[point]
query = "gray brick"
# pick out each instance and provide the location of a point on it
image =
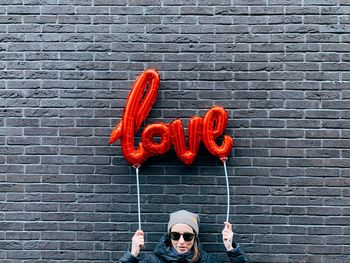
(20, 254)
(23, 10)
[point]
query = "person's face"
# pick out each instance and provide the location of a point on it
(181, 245)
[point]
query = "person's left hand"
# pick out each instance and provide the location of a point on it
(227, 236)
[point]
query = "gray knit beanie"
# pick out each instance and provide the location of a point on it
(184, 217)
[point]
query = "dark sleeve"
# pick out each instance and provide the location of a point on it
(236, 255)
(128, 258)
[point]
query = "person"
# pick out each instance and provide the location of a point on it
(181, 243)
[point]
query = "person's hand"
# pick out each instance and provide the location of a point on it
(227, 236)
(138, 242)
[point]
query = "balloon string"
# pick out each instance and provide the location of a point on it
(227, 191)
(138, 195)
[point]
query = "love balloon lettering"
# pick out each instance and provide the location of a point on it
(138, 106)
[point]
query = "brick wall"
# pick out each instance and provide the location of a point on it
(281, 68)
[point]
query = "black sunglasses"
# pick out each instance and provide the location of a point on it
(187, 236)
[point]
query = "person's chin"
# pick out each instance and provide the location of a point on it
(182, 250)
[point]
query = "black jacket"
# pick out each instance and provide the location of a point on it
(161, 254)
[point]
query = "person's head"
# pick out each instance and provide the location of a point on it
(183, 231)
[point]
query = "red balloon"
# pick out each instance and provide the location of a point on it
(116, 133)
(138, 105)
(135, 112)
(214, 124)
(157, 129)
(132, 155)
(187, 156)
(151, 79)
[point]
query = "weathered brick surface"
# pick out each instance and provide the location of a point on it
(281, 68)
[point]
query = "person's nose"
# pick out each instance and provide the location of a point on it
(181, 240)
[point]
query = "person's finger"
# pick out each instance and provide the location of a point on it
(138, 238)
(139, 233)
(141, 243)
(228, 226)
(226, 236)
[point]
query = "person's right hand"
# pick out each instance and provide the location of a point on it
(137, 243)
(227, 236)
